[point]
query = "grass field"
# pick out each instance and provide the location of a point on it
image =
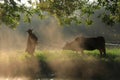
(59, 64)
(87, 66)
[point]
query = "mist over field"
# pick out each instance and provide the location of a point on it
(52, 37)
(50, 33)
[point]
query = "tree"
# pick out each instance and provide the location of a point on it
(66, 11)
(111, 14)
(11, 12)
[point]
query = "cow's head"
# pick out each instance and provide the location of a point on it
(77, 38)
(67, 46)
(81, 38)
(74, 46)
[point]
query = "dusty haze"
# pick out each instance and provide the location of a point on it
(51, 36)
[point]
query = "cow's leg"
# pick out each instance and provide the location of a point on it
(104, 51)
(100, 50)
(78, 52)
(81, 51)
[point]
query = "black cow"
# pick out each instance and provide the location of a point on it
(32, 42)
(82, 43)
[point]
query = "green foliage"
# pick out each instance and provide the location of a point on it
(10, 13)
(89, 22)
(111, 15)
(66, 11)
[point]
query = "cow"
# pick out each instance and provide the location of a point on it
(82, 43)
(31, 42)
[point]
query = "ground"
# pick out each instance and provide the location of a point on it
(59, 64)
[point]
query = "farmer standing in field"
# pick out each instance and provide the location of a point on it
(32, 42)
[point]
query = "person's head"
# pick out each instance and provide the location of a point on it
(29, 30)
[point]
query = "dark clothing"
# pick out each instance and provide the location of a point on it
(31, 43)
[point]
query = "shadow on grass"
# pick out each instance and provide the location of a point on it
(79, 67)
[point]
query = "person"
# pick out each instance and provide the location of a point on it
(31, 42)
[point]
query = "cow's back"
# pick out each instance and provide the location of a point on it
(93, 43)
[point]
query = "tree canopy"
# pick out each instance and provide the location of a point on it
(66, 11)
